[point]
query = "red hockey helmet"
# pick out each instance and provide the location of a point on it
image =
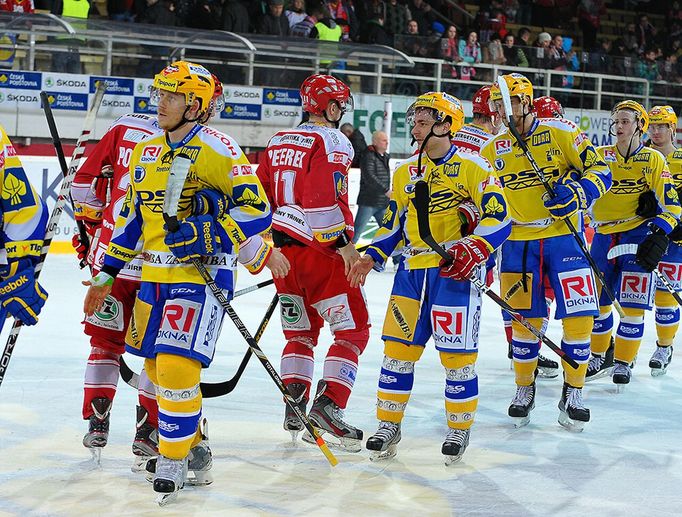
(318, 90)
(481, 102)
(548, 107)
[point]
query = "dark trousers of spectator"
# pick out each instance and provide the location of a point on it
(362, 217)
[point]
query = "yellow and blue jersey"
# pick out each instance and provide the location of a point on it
(457, 177)
(24, 214)
(561, 151)
(645, 169)
(218, 163)
(674, 160)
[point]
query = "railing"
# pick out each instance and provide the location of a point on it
(49, 43)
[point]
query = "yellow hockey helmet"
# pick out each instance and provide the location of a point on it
(663, 115)
(518, 84)
(443, 106)
(642, 117)
(189, 79)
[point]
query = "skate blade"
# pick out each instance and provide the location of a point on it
(294, 436)
(548, 373)
(511, 364)
(164, 499)
(657, 372)
(600, 374)
(199, 478)
(140, 464)
(451, 460)
(335, 442)
(575, 426)
(520, 421)
(389, 453)
(621, 388)
(96, 453)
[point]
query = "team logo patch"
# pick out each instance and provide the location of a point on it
(110, 316)
(578, 292)
(138, 173)
(502, 147)
(150, 154)
(499, 164)
(178, 323)
(635, 288)
(340, 184)
(292, 313)
(336, 312)
(449, 326)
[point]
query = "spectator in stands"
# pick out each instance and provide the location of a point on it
(235, 16)
(274, 23)
(423, 15)
(589, 20)
(343, 15)
(304, 28)
(514, 55)
(205, 14)
(671, 69)
(69, 61)
(524, 15)
(558, 60)
(493, 52)
(646, 33)
(630, 39)
(375, 183)
(600, 58)
(373, 32)
(297, 12)
(397, 16)
(539, 55)
(357, 140)
(449, 52)
(647, 66)
(17, 6)
(470, 52)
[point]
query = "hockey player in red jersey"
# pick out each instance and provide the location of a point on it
(485, 124)
(548, 107)
(305, 177)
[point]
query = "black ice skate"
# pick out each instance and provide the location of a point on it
(169, 478)
(146, 442)
(621, 375)
(98, 432)
(522, 405)
(573, 414)
(383, 443)
(600, 365)
(659, 362)
(547, 368)
(327, 417)
(292, 423)
(454, 445)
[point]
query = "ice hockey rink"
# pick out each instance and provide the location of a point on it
(627, 461)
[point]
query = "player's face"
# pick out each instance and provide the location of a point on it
(624, 125)
(517, 110)
(423, 122)
(170, 110)
(660, 134)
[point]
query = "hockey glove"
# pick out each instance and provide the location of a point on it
(194, 238)
(569, 197)
(209, 202)
(647, 205)
(676, 234)
(22, 296)
(469, 215)
(651, 249)
(467, 254)
(83, 247)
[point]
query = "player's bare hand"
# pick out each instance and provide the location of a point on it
(350, 256)
(360, 270)
(278, 264)
(99, 288)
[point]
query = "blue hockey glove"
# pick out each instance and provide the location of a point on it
(209, 202)
(569, 197)
(194, 238)
(22, 296)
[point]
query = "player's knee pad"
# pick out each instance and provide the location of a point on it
(179, 396)
(102, 369)
(519, 332)
(354, 339)
(403, 352)
(633, 315)
(665, 299)
(578, 329)
(298, 362)
(461, 388)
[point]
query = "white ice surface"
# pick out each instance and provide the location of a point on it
(627, 461)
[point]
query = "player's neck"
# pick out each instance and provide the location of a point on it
(178, 134)
(320, 121)
(628, 147)
(438, 147)
(664, 149)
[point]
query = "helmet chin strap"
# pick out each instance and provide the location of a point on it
(184, 120)
(422, 148)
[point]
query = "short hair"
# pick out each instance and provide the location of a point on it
(347, 125)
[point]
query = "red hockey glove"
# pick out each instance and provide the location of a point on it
(469, 215)
(466, 253)
(83, 247)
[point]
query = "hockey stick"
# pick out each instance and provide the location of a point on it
(631, 249)
(132, 379)
(78, 152)
(52, 223)
(506, 100)
(421, 204)
(176, 181)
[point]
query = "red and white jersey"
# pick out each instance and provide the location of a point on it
(103, 205)
(17, 6)
(305, 175)
(471, 138)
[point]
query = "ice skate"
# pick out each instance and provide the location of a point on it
(659, 362)
(169, 479)
(327, 418)
(454, 445)
(146, 442)
(383, 443)
(573, 414)
(547, 368)
(621, 375)
(522, 405)
(600, 365)
(98, 431)
(292, 423)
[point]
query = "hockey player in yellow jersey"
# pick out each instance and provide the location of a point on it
(635, 169)
(541, 248)
(428, 300)
(177, 317)
(663, 130)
